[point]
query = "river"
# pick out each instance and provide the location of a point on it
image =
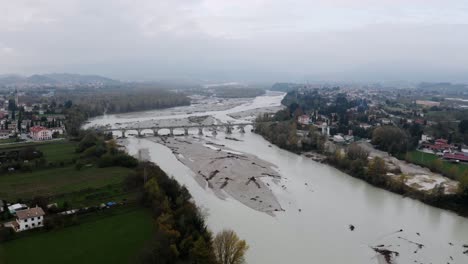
(320, 203)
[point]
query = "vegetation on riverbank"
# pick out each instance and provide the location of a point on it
(95, 172)
(281, 130)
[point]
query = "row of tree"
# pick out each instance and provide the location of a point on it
(85, 103)
(181, 235)
(114, 100)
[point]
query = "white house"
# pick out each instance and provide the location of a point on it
(29, 219)
(40, 133)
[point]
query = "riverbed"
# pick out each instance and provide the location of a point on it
(318, 202)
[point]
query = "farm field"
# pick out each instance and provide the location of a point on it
(59, 151)
(108, 239)
(427, 159)
(54, 181)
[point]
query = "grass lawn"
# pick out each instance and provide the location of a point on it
(54, 181)
(113, 239)
(7, 140)
(425, 159)
(59, 151)
(96, 196)
(21, 145)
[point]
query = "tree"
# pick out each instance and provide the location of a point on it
(68, 104)
(356, 152)
(229, 249)
(12, 105)
(390, 138)
(377, 167)
(463, 126)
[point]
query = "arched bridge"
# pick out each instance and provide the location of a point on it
(154, 130)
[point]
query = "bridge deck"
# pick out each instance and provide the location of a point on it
(173, 127)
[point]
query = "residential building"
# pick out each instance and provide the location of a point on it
(29, 219)
(4, 133)
(440, 145)
(458, 156)
(40, 133)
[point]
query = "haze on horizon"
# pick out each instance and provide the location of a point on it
(250, 40)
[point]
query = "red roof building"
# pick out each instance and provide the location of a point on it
(439, 145)
(40, 133)
(456, 156)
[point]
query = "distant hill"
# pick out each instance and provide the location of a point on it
(77, 78)
(54, 79)
(40, 79)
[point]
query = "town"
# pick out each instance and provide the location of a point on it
(29, 120)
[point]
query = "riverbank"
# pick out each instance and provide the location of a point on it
(415, 182)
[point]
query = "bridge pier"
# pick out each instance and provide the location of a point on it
(230, 128)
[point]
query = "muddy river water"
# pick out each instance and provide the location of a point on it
(320, 203)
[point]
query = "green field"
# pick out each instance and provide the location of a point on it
(96, 196)
(21, 145)
(425, 159)
(59, 151)
(7, 140)
(111, 239)
(88, 186)
(50, 182)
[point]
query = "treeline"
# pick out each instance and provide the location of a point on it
(82, 104)
(181, 235)
(102, 151)
(280, 133)
(113, 100)
(237, 92)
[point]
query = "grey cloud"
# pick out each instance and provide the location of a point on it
(249, 40)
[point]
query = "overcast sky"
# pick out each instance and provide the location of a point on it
(268, 40)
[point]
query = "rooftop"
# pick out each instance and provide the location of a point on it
(31, 212)
(36, 129)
